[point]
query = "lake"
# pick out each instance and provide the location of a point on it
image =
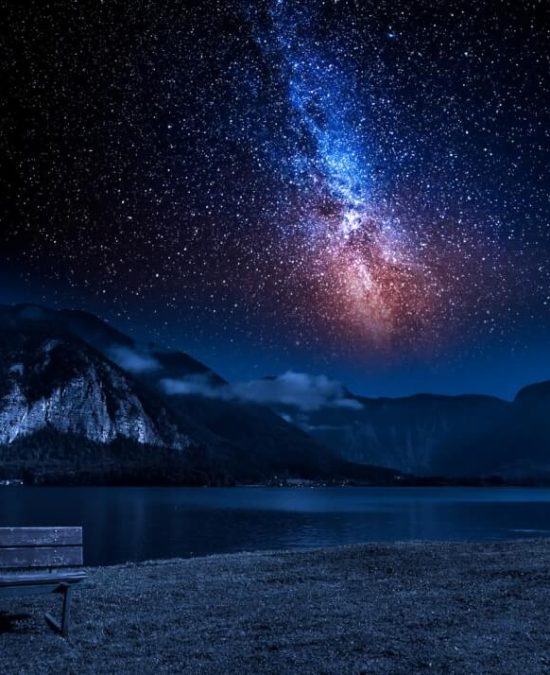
(123, 524)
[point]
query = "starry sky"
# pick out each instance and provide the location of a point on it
(353, 188)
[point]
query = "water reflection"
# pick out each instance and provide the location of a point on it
(140, 523)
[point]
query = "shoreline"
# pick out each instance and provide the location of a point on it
(375, 608)
(459, 484)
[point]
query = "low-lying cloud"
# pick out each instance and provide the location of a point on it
(296, 390)
(132, 360)
(299, 390)
(195, 385)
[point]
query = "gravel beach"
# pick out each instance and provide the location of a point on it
(397, 608)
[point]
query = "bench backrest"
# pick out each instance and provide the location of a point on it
(40, 547)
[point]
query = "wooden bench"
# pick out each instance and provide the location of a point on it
(31, 561)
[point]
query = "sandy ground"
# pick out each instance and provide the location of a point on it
(402, 608)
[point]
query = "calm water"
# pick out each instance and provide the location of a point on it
(141, 523)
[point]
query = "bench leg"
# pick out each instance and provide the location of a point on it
(62, 627)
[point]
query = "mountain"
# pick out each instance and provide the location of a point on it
(82, 402)
(407, 432)
(434, 435)
(96, 333)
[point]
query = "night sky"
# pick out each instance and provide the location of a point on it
(353, 188)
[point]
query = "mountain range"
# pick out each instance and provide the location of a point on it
(446, 436)
(81, 402)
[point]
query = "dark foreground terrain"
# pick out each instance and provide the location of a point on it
(403, 608)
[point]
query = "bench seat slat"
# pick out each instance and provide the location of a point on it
(40, 536)
(35, 578)
(44, 556)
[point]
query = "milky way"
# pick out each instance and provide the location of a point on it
(385, 274)
(328, 185)
(359, 254)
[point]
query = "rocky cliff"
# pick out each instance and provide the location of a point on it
(63, 384)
